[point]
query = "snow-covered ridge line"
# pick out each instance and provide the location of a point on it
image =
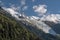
(33, 20)
(51, 17)
(41, 25)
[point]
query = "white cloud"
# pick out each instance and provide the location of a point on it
(41, 9)
(25, 7)
(33, 0)
(23, 2)
(34, 17)
(52, 17)
(1, 3)
(14, 7)
(14, 13)
(11, 11)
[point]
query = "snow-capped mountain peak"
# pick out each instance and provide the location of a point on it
(52, 17)
(32, 20)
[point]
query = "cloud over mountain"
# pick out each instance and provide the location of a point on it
(41, 9)
(12, 12)
(52, 17)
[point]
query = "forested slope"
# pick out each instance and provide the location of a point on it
(12, 30)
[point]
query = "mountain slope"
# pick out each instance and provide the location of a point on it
(12, 30)
(38, 31)
(54, 26)
(22, 28)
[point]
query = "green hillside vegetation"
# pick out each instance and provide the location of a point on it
(12, 30)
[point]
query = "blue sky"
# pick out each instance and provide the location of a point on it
(53, 6)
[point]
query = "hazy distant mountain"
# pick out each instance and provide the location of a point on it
(20, 27)
(54, 26)
(10, 29)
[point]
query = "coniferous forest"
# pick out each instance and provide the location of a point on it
(10, 29)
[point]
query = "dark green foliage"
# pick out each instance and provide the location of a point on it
(11, 30)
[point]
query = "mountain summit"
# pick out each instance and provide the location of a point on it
(11, 29)
(16, 26)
